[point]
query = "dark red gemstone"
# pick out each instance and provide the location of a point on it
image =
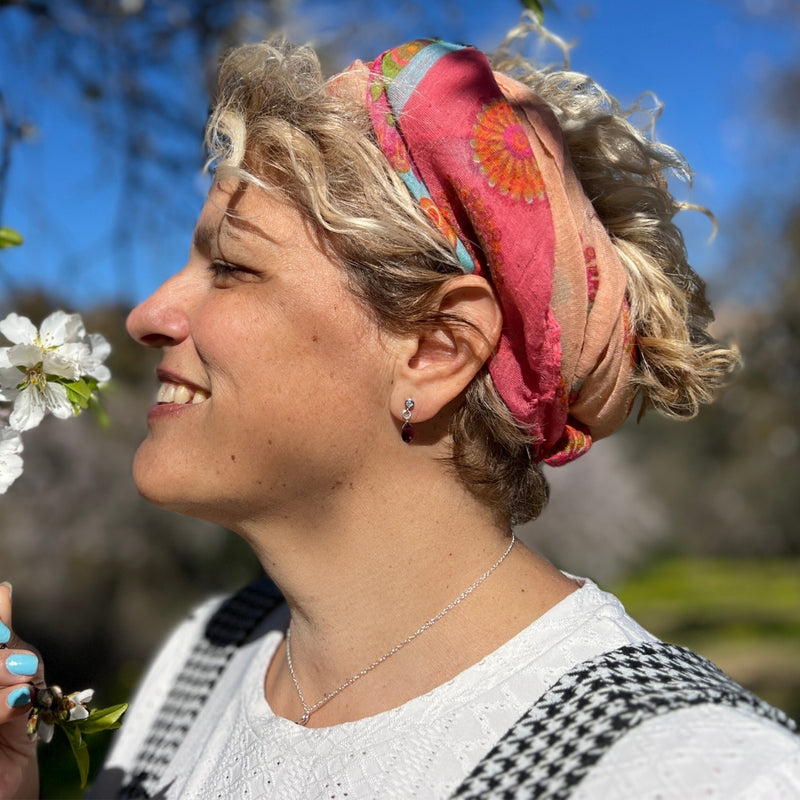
(407, 432)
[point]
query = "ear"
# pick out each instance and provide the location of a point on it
(436, 365)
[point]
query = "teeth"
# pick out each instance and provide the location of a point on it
(166, 393)
(180, 394)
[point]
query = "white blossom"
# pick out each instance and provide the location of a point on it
(35, 394)
(93, 365)
(44, 731)
(34, 369)
(10, 458)
(77, 703)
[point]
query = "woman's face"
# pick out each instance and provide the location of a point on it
(274, 381)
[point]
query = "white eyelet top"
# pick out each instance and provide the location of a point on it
(238, 748)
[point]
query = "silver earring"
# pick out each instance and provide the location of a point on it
(407, 431)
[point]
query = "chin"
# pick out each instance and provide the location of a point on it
(159, 482)
(156, 479)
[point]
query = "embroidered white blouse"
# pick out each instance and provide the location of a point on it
(239, 749)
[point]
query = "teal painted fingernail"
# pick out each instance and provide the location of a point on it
(22, 664)
(5, 634)
(19, 697)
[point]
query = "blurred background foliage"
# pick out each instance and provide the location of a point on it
(695, 526)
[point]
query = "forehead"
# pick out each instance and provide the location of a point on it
(247, 213)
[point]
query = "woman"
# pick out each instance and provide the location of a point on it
(398, 304)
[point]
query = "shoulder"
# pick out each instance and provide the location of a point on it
(150, 696)
(699, 751)
(622, 722)
(160, 675)
(699, 732)
(188, 665)
(217, 623)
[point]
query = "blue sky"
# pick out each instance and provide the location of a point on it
(706, 60)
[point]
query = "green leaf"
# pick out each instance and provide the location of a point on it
(79, 749)
(9, 238)
(80, 392)
(102, 719)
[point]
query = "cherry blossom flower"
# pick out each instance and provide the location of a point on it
(10, 458)
(51, 369)
(93, 365)
(55, 368)
(53, 709)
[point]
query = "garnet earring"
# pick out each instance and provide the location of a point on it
(407, 431)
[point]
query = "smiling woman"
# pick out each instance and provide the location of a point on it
(399, 303)
(261, 340)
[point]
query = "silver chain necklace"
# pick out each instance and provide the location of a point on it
(309, 710)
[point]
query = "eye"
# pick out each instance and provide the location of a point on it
(224, 273)
(222, 268)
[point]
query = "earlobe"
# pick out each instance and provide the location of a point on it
(438, 363)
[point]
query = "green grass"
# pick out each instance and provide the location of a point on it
(742, 614)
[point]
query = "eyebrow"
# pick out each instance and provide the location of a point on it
(203, 237)
(230, 227)
(206, 236)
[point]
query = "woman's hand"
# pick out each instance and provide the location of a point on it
(20, 670)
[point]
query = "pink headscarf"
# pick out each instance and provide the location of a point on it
(487, 161)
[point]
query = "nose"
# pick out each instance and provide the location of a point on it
(162, 319)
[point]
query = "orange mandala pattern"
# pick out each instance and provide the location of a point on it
(396, 59)
(503, 153)
(435, 215)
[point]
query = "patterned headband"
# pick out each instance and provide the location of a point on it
(487, 161)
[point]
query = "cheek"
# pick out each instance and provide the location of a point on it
(316, 355)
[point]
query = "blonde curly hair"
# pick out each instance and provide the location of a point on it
(278, 124)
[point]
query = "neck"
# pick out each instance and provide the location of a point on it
(362, 575)
(378, 565)
(308, 710)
